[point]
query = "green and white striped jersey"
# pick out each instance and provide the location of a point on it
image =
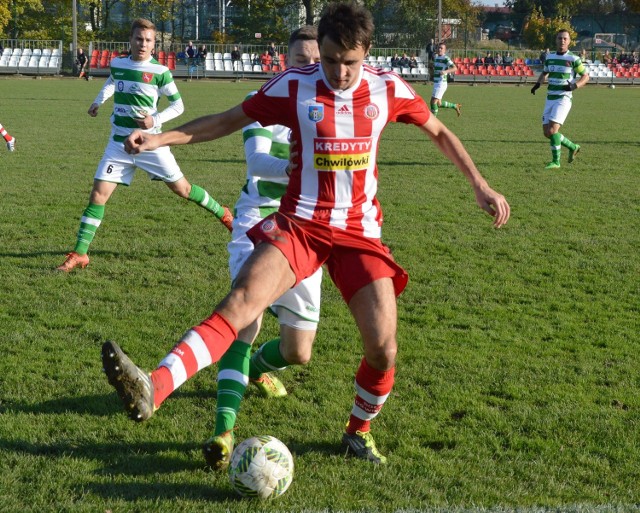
(136, 87)
(267, 153)
(441, 63)
(562, 69)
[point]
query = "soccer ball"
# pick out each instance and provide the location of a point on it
(261, 467)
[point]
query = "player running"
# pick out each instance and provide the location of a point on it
(561, 68)
(442, 66)
(137, 81)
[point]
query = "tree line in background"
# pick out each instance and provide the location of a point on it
(399, 23)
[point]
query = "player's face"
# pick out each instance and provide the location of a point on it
(302, 53)
(442, 49)
(341, 66)
(142, 42)
(562, 42)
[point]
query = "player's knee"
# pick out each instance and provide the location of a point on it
(296, 355)
(382, 357)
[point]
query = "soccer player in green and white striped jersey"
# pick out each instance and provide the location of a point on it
(442, 66)
(136, 82)
(561, 68)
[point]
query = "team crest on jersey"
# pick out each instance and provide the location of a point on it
(316, 113)
(371, 111)
(269, 226)
(147, 77)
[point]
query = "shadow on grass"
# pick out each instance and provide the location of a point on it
(160, 491)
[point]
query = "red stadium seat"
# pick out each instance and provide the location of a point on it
(162, 57)
(171, 60)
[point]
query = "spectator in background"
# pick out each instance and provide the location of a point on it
(413, 62)
(404, 61)
(507, 60)
(431, 50)
(190, 53)
(395, 61)
(81, 64)
(202, 55)
(271, 50)
(583, 55)
(606, 58)
(543, 55)
(489, 59)
(479, 61)
(235, 54)
(498, 59)
(266, 59)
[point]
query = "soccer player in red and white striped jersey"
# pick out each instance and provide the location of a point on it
(329, 216)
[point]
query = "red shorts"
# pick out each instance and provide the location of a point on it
(352, 260)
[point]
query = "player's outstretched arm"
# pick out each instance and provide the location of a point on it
(206, 128)
(489, 200)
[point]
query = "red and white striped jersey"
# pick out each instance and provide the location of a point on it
(337, 134)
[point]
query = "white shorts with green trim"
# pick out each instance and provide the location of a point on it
(118, 166)
(303, 300)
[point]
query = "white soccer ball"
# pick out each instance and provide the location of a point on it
(612, 86)
(261, 467)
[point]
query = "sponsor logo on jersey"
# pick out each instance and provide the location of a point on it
(147, 77)
(342, 154)
(371, 111)
(134, 89)
(316, 112)
(343, 110)
(120, 85)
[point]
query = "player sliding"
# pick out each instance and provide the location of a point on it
(329, 216)
(561, 67)
(137, 82)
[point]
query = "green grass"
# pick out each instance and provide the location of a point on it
(518, 369)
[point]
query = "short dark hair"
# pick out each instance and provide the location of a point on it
(346, 24)
(143, 24)
(304, 33)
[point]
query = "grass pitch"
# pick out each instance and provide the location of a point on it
(518, 369)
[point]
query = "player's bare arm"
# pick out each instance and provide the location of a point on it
(206, 128)
(489, 200)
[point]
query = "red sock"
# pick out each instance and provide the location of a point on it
(4, 134)
(200, 347)
(372, 389)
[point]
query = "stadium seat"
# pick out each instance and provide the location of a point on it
(208, 63)
(266, 67)
(257, 68)
(228, 65)
(43, 62)
(46, 51)
(33, 61)
(171, 60)
(4, 61)
(162, 57)
(275, 68)
(55, 52)
(247, 68)
(218, 64)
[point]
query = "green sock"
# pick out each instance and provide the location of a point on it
(203, 198)
(567, 143)
(448, 105)
(555, 140)
(233, 371)
(434, 109)
(89, 223)
(267, 358)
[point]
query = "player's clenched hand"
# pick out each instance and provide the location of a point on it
(140, 141)
(495, 204)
